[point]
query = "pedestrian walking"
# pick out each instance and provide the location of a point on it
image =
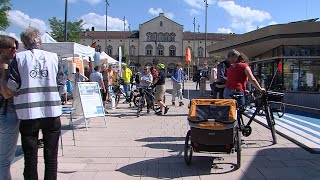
(160, 89)
(35, 76)
(177, 78)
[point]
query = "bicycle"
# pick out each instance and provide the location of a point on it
(262, 101)
(146, 96)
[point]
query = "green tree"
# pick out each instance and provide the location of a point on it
(74, 30)
(4, 8)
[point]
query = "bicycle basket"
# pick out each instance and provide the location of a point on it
(275, 96)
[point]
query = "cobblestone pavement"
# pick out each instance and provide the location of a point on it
(151, 147)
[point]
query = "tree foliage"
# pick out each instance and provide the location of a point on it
(74, 30)
(4, 8)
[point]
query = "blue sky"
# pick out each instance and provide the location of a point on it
(224, 16)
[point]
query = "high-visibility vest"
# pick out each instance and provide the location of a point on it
(38, 95)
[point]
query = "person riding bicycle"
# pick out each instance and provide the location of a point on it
(146, 80)
(238, 75)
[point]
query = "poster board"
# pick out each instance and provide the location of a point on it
(90, 97)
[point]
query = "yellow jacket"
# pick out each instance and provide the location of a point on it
(126, 75)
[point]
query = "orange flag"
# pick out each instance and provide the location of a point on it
(188, 55)
(280, 66)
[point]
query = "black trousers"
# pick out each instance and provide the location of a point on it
(29, 129)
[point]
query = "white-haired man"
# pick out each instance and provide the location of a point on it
(34, 77)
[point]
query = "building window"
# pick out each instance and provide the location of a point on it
(149, 50)
(109, 50)
(172, 50)
(200, 52)
(161, 23)
(160, 50)
(167, 37)
(301, 75)
(98, 48)
(172, 37)
(132, 50)
(148, 36)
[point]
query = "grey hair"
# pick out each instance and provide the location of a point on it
(31, 38)
(233, 53)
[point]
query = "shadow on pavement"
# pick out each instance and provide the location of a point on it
(270, 163)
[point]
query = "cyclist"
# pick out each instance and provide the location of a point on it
(146, 80)
(238, 75)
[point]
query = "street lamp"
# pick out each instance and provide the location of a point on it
(129, 44)
(65, 21)
(106, 43)
(205, 42)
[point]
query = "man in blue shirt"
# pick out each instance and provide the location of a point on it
(177, 78)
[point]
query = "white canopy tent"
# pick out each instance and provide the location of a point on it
(105, 58)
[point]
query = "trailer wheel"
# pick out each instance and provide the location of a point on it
(188, 150)
(238, 147)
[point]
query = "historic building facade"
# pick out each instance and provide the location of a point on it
(159, 40)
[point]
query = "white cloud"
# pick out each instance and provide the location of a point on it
(11, 34)
(243, 18)
(99, 22)
(272, 23)
(92, 2)
(198, 4)
(224, 30)
(193, 12)
(22, 21)
(156, 12)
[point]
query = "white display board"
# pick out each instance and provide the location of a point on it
(91, 101)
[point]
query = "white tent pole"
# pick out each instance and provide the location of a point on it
(188, 80)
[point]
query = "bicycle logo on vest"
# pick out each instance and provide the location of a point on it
(38, 71)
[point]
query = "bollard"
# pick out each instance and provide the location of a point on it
(113, 102)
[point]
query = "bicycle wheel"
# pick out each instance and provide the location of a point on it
(281, 110)
(188, 150)
(33, 73)
(271, 122)
(140, 105)
(237, 141)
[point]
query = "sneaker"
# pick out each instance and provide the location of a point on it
(181, 104)
(159, 113)
(105, 111)
(166, 110)
(173, 103)
(148, 110)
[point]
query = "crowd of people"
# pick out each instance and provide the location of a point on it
(33, 103)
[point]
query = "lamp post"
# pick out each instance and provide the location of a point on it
(65, 21)
(106, 42)
(205, 42)
(124, 34)
(194, 38)
(198, 44)
(129, 44)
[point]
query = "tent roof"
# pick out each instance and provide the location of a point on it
(67, 49)
(105, 57)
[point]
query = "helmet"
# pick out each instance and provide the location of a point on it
(124, 65)
(160, 66)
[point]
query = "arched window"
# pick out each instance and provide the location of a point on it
(160, 50)
(109, 50)
(167, 37)
(172, 50)
(148, 36)
(161, 37)
(132, 50)
(98, 48)
(154, 36)
(172, 37)
(200, 52)
(149, 50)
(161, 23)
